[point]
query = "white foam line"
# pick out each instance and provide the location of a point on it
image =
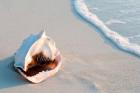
(122, 42)
(114, 21)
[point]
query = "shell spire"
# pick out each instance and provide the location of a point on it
(44, 34)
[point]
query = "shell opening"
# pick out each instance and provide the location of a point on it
(40, 63)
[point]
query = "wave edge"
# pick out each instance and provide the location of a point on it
(121, 42)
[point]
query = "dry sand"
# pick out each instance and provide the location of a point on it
(89, 65)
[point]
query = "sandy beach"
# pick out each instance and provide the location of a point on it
(90, 64)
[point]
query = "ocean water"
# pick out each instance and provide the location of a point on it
(121, 16)
(118, 20)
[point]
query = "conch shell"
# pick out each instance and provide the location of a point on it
(37, 58)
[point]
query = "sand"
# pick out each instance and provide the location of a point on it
(90, 64)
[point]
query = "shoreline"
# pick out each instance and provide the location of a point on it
(89, 65)
(120, 42)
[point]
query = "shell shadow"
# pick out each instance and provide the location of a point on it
(8, 76)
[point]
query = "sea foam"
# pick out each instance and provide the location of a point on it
(121, 42)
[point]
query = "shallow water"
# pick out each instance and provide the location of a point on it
(121, 16)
